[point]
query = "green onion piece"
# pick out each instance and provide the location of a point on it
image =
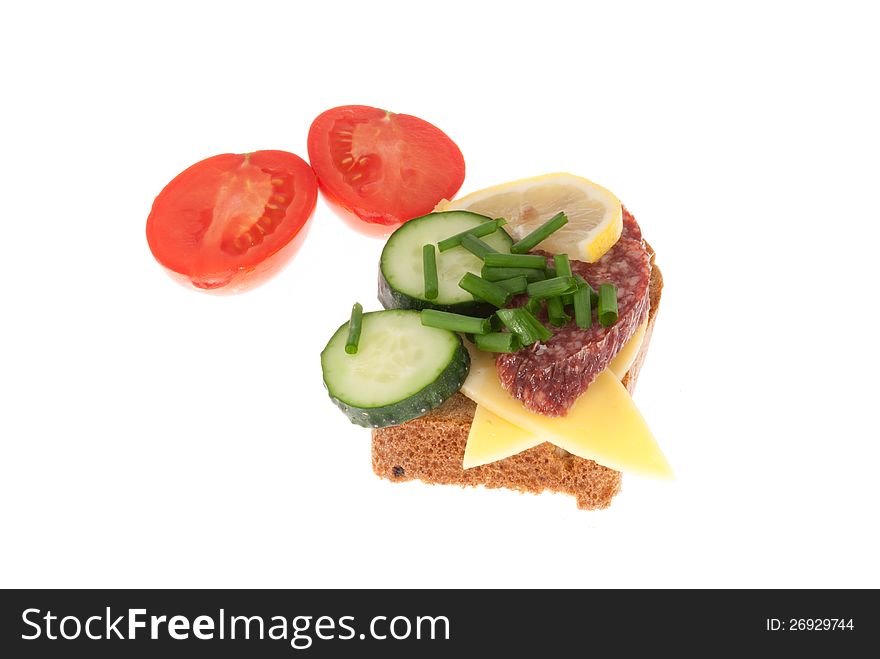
(556, 312)
(583, 313)
(540, 234)
(562, 265)
(551, 272)
(552, 287)
(455, 322)
(594, 294)
(476, 246)
(523, 323)
(484, 229)
(607, 305)
(515, 285)
(534, 306)
(498, 342)
(485, 290)
(497, 274)
(354, 329)
(564, 270)
(516, 322)
(429, 264)
(495, 323)
(542, 332)
(515, 261)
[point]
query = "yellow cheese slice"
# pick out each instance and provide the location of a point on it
(492, 438)
(624, 359)
(603, 425)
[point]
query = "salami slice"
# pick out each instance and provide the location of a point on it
(548, 377)
(631, 228)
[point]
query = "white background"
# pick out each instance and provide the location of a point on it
(156, 436)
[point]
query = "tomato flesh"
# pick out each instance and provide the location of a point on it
(229, 222)
(384, 168)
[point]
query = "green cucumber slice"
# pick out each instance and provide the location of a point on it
(401, 370)
(401, 276)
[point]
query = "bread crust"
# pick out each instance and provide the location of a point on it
(431, 448)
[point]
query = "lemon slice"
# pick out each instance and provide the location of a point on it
(595, 218)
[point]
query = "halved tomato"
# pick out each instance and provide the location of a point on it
(229, 222)
(385, 168)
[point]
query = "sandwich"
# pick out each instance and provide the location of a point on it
(517, 321)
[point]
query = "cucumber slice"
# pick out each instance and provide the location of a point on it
(401, 277)
(401, 370)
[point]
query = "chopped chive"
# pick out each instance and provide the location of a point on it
(552, 287)
(484, 229)
(552, 272)
(497, 274)
(607, 305)
(498, 342)
(495, 323)
(556, 312)
(594, 294)
(485, 290)
(540, 234)
(515, 261)
(583, 313)
(515, 285)
(538, 327)
(515, 321)
(354, 329)
(455, 322)
(523, 323)
(562, 265)
(564, 270)
(429, 264)
(533, 305)
(476, 246)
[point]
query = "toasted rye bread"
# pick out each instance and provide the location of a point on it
(431, 448)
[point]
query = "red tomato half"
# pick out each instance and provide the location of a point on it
(385, 168)
(229, 222)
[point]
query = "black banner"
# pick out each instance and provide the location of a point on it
(390, 623)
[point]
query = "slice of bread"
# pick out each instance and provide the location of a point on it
(431, 448)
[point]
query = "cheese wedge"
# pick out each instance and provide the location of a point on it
(603, 425)
(624, 359)
(492, 438)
